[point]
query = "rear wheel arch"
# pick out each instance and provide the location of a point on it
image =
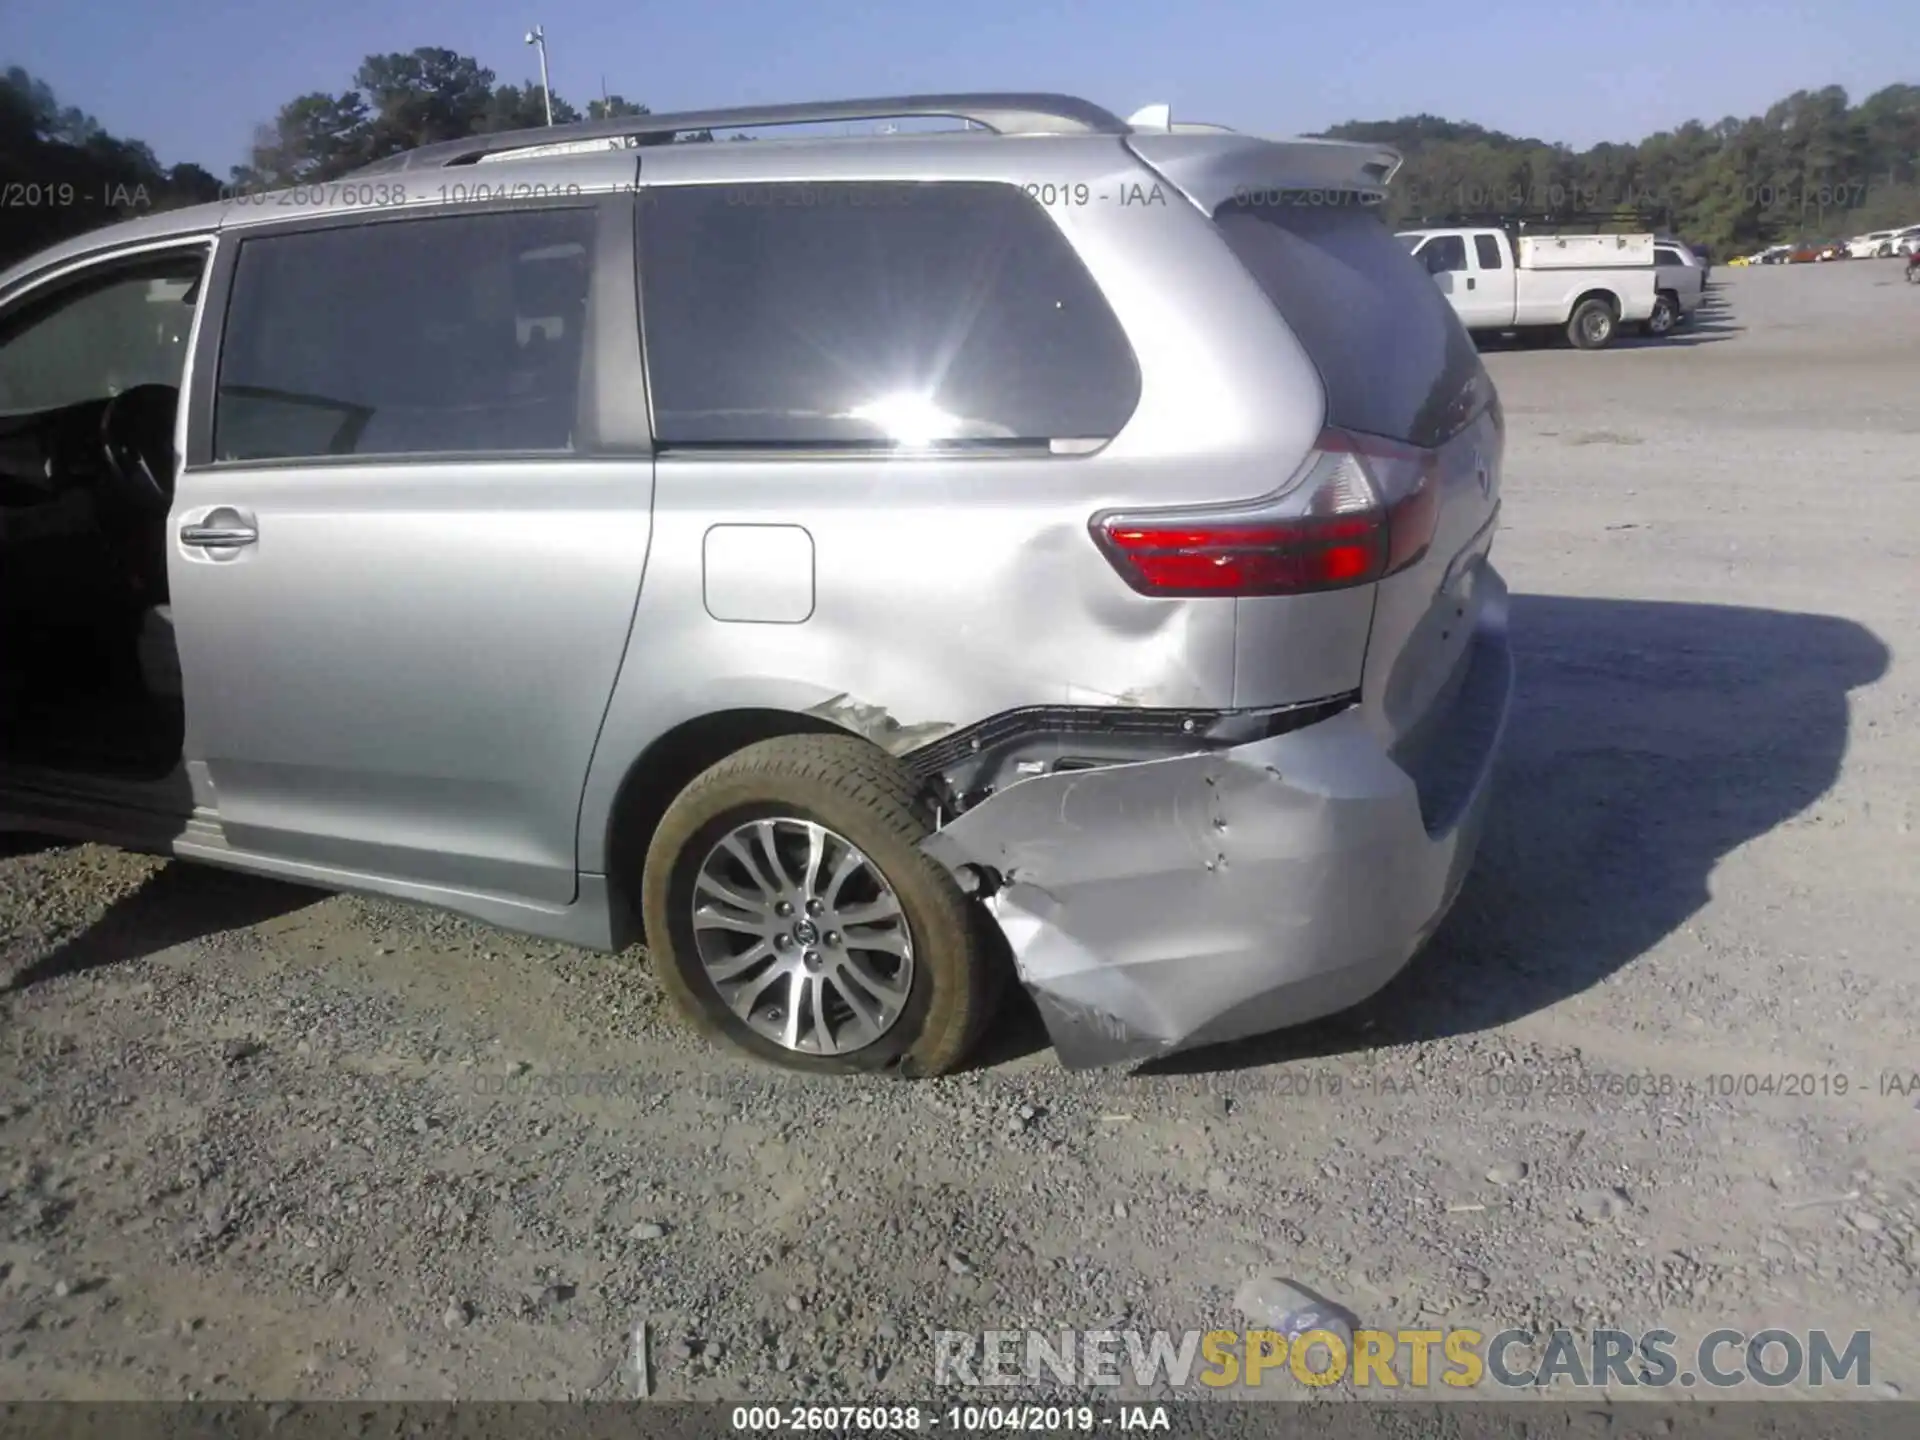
(665, 768)
(1612, 301)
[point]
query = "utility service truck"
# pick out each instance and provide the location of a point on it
(1498, 280)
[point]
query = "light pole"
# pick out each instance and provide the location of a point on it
(538, 37)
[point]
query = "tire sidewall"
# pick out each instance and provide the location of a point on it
(1666, 315)
(1579, 325)
(672, 894)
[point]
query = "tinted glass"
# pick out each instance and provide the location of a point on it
(1666, 255)
(873, 315)
(1486, 249)
(452, 335)
(1394, 358)
(1447, 252)
(94, 342)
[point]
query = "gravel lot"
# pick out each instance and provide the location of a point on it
(259, 1141)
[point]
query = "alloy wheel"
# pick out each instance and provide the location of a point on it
(802, 937)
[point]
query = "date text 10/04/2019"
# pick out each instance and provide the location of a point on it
(953, 1419)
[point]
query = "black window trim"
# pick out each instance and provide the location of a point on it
(736, 451)
(607, 423)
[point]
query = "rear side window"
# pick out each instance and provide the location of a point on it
(1395, 360)
(872, 315)
(1666, 255)
(441, 336)
(1486, 249)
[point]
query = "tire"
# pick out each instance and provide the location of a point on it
(1666, 316)
(1592, 325)
(863, 802)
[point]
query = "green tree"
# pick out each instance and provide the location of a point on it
(314, 137)
(613, 108)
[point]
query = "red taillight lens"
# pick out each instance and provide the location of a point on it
(1361, 509)
(1273, 559)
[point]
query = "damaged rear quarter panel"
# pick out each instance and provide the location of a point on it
(1173, 902)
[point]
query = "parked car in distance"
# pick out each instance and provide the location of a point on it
(1872, 245)
(1116, 607)
(1680, 280)
(1802, 254)
(1906, 241)
(1833, 250)
(1499, 284)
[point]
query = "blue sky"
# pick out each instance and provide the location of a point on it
(192, 77)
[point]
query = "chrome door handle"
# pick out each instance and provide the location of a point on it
(218, 537)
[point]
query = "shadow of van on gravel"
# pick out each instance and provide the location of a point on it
(178, 903)
(1647, 740)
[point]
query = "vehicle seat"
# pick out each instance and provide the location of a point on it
(159, 655)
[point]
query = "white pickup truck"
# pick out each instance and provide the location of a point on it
(1586, 285)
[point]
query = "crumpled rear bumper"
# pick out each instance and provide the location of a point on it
(1160, 906)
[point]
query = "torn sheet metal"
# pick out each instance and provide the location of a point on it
(877, 725)
(1158, 906)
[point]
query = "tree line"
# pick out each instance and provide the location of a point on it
(61, 172)
(1814, 166)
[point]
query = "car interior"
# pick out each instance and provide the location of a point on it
(89, 390)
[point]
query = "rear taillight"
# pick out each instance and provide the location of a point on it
(1360, 509)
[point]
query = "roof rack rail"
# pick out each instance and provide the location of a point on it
(1004, 114)
(1538, 220)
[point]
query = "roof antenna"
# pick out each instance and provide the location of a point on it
(1152, 117)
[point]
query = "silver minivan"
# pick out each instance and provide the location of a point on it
(862, 567)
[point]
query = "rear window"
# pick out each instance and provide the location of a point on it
(1395, 360)
(874, 315)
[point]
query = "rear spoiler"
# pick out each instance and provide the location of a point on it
(1211, 169)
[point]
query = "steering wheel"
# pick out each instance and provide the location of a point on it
(136, 441)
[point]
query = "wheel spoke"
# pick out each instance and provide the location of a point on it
(868, 1021)
(733, 846)
(709, 918)
(816, 855)
(887, 938)
(799, 987)
(726, 894)
(769, 839)
(885, 908)
(738, 965)
(742, 998)
(856, 973)
(843, 872)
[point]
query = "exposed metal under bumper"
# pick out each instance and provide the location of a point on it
(1175, 903)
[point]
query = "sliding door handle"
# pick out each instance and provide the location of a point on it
(230, 536)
